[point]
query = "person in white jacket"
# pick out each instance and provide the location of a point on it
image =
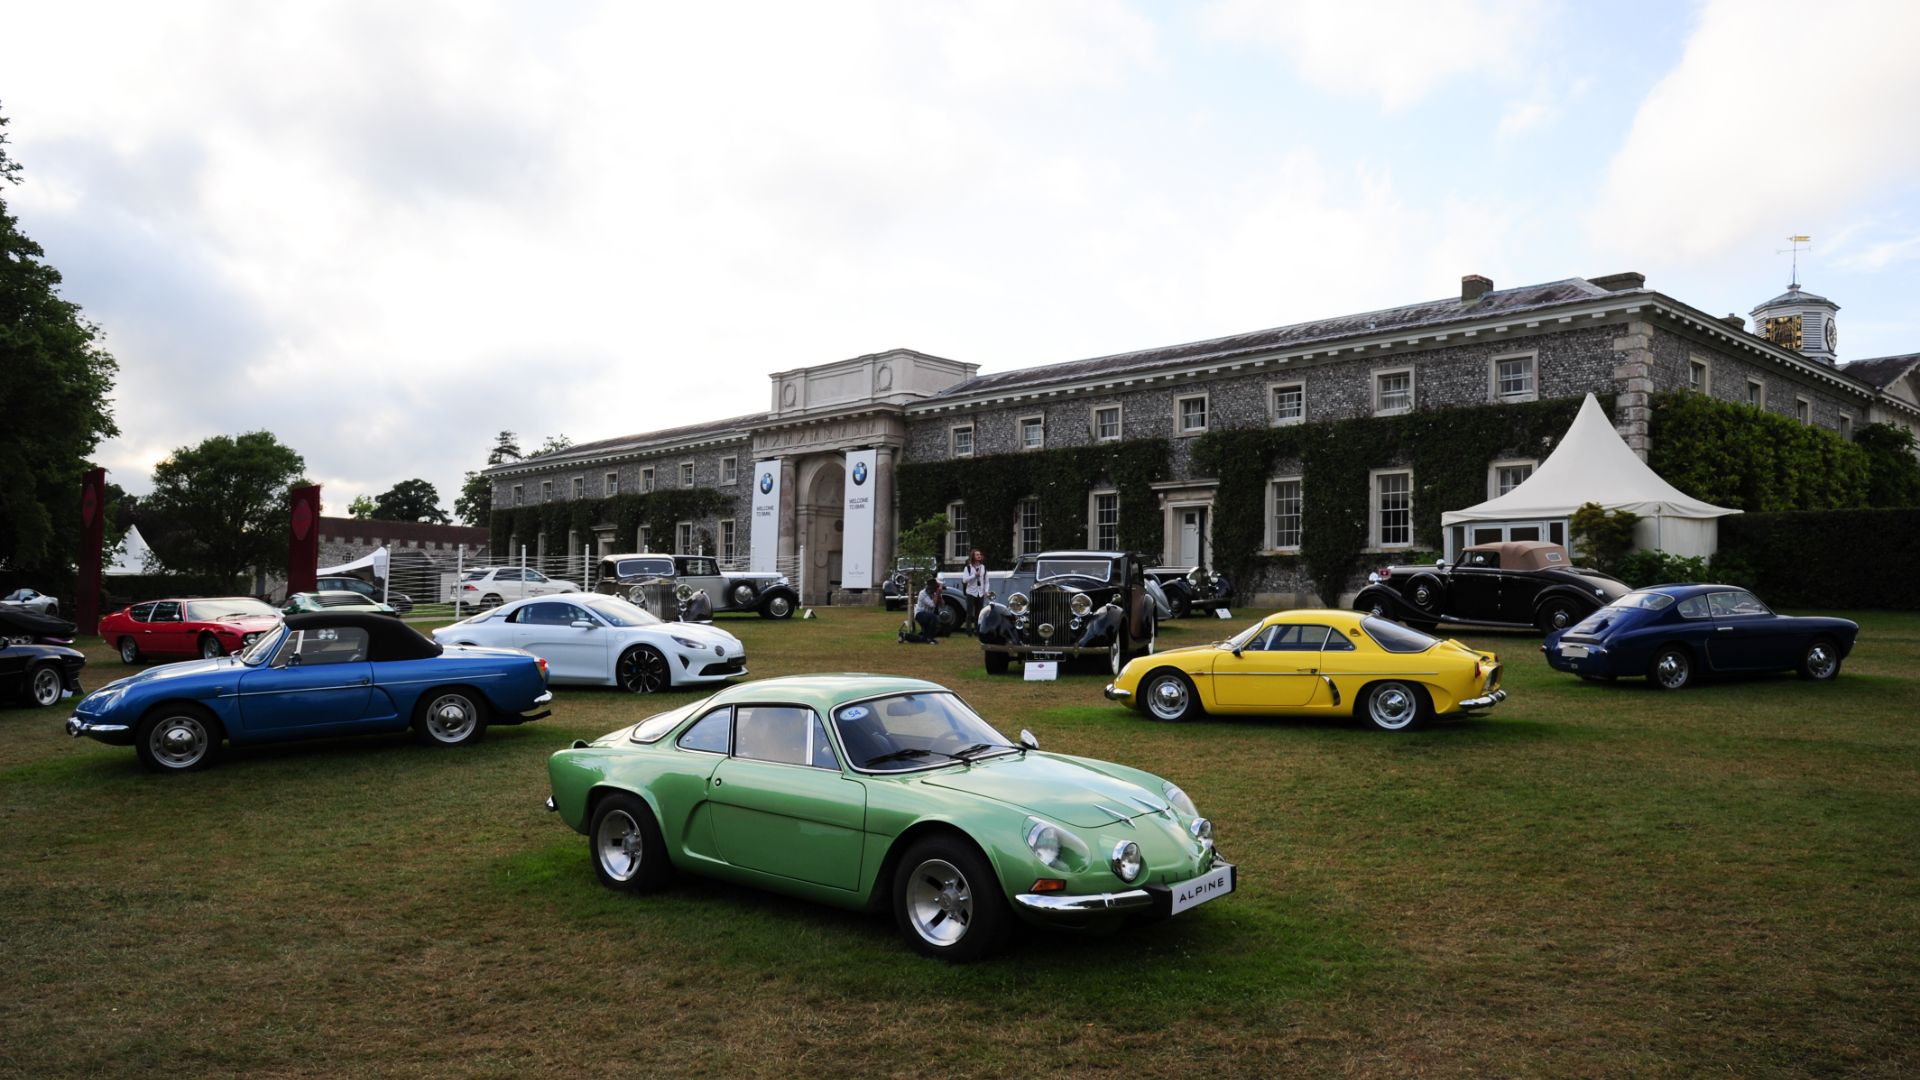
(973, 582)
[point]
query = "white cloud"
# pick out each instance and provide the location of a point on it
(1392, 51)
(1778, 119)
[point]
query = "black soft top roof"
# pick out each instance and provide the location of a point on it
(22, 621)
(389, 638)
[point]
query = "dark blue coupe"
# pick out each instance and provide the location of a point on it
(315, 676)
(1674, 634)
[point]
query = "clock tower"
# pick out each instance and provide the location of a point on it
(1801, 321)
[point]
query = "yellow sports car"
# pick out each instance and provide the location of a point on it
(1316, 663)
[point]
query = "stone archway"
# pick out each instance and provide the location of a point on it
(819, 510)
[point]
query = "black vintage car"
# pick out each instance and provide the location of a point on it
(1520, 583)
(897, 591)
(1083, 604)
(1192, 588)
(18, 626)
(39, 674)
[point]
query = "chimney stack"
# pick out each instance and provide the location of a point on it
(1734, 321)
(1473, 287)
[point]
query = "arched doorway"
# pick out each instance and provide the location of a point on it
(822, 504)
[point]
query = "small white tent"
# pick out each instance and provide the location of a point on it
(1592, 464)
(376, 561)
(132, 556)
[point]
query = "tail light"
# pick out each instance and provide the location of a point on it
(542, 661)
(468, 588)
(1385, 572)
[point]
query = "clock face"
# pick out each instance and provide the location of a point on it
(1832, 336)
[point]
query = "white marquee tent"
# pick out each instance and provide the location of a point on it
(1591, 464)
(132, 556)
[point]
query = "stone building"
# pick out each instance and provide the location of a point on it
(1610, 335)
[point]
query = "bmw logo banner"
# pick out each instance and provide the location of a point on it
(856, 539)
(764, 531)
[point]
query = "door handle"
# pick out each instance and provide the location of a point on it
(361, 681)
(1723, 628)
(718, 782)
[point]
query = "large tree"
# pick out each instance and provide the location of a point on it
(410, 500)
(54, 382)
(227, 500)
(475, 502)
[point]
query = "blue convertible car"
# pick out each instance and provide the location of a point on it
(319, 675)
(1673, 634)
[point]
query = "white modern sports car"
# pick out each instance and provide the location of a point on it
(605, 641)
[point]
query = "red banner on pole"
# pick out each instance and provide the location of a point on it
(93, 531)
(303, 545)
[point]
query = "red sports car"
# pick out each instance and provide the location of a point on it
(212, 627)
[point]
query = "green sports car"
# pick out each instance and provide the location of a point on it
(867, 791)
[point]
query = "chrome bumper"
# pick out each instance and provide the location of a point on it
(543, 698)
(1486, 702)
(77, 727)
(1059, 904)
(1114, 693)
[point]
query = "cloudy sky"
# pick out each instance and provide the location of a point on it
(385, 231)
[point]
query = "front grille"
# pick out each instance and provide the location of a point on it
(727, 667)
(1050, 606)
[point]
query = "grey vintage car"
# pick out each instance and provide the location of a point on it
(897, 591)
(646, 579)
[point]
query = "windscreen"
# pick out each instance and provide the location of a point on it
(215, 610)
(1643, 599)
(912, 731)
(618, 612)
(1097, 569)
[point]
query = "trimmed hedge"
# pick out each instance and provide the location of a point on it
(1749, 459)
(1828, 558)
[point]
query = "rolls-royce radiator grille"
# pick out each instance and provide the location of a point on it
(1051, 608)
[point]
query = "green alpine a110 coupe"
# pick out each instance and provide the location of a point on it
(867, 791)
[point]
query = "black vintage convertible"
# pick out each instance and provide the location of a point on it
(1517, 583)
(1083, 604)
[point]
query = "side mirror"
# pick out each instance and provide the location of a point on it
(1236, 654)
(584, 624)
(1028, 741)
(1440, 565)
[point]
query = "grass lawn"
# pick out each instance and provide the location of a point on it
(1592, 880)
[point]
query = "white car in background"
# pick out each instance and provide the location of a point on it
(28, 600)
(495, 585)
(605, 641)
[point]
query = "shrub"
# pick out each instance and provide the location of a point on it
(1604, 537)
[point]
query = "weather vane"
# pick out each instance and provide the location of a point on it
(1795, 241)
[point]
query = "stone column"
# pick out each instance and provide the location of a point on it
(1633, 371)
(884, 518)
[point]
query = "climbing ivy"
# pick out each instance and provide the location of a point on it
(1745, 458)
(1060, 479)
(658, 510)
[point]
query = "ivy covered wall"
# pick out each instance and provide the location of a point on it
(1737, 456)
(658, 510)
(1062, 480)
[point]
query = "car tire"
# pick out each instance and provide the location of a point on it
(1671, 669)
(129, 651)
(450, 716)
(490, 601)
(996, 662)
(1821, 661)
(1179, 603)
(777, 606)
(643, 670)
(1117, 652)
(950, 618)
(1555, 615)
(177, 738)
(210, 647)
(947, 900)
(628, 852)
(1169, 696)
(43, 686)
(1395, 706)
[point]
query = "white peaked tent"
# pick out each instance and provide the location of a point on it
(1593, 464)
(132, 556)
(377, 562)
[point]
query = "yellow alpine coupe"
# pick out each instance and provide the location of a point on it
(1316, 663)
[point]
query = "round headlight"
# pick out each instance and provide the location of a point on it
(1017, 603)
(1179, 801)
(1201, 829)
(1080, 604)
(1127, 863)
(1046, 629)
(1044, 839)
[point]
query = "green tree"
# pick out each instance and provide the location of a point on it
(54, 381)
(227, 500)
(474, 505)
(410, 500)
(1893, 474)
(554, 444)
(923, 543)
(361, 508)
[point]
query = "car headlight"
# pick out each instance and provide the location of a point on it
(1126, 862)
(1056, 846)
(1201, 830)
(686, 643)
(1080, 604)
(1179, 801)
(1017, 603)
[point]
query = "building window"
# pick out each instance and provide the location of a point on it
(1106, 423)
(683, 538)
(1504, 476)
(613, 483)
(1756, 393)
(1033, 432)
(686, 474)
(1026, 531)
(726, 540)
(960, 440)
(1802, 410)
(1190, 414)
(1284, 522)
(519, 495)
(729, 470)
(579, 487)
(1513, 378)
(646, 538)
(1106, 520)
(546, 491)
(1393, 509)
(957, 546)
(646, 480)
(1846, 426)
(1392, 392)
(1699, 379)
(1289, 403)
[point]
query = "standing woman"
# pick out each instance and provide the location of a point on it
(973, 582)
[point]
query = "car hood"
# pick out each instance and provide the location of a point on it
(1063, 791)
(218, 667)
(706, 635)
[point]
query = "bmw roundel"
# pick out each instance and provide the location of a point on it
(766, 483)
(859, 473)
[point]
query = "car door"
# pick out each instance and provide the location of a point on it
(1278, 669)
(704, 574)
(780, 803)
(546, 628)
(1473, 587)
(319, 682)
(1746, 635)
(165, 631)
